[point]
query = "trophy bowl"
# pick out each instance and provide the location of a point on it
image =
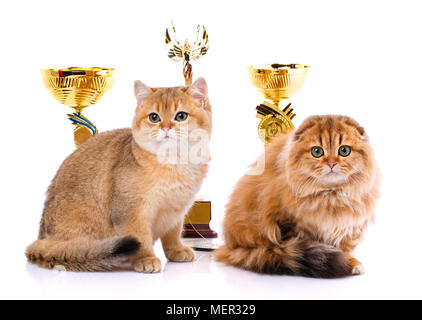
(278, 81)
(78, 88)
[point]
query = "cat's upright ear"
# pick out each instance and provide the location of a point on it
(142, 91)
(199, 91)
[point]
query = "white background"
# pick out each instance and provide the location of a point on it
(365, 63)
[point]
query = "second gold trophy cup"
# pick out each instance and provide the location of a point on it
(276, 82)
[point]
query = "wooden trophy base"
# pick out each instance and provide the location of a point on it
(197, 221)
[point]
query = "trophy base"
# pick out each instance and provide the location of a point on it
(197, 221)
(202, 244)
(198, 231)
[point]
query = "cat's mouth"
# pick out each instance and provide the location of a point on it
(332, 177)
(166, 138)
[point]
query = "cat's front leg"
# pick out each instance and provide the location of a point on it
(348, 246)
(134, 225)
(173, 247)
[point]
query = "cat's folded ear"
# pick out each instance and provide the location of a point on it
(359, 129)
(307, 124)
(142, 92)
(199, 91)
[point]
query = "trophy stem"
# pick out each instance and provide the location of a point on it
(277, 103)
(187, 72)
(78, 110)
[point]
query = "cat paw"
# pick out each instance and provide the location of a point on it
(59, 267)
(357, 267)
(180, 254)
(148, 265)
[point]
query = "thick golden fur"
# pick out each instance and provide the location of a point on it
(112, 199)
(298, 217)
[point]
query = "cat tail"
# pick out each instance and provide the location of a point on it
(294, 257)
(82, 254)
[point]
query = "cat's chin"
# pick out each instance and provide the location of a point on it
(155, 147)
(332, 179)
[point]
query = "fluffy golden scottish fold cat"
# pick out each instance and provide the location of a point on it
(309, 209)
(116, 195)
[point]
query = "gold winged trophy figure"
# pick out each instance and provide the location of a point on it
(197, 221)
(187, 52)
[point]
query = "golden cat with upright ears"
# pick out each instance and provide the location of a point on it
(117, 194)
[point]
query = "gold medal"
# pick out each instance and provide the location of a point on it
(274, 122)
(81, 134)
(84, 129)
(274, 125)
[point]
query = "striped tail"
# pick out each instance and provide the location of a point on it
(294, 257)
(82, 254)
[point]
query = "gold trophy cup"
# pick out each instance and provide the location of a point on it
(276, 82)
(78, 88)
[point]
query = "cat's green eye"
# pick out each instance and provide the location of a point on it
(317, 152)
(344, 151)
(154, 118)
(181, 116)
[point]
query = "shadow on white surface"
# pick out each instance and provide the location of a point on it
(202, 279)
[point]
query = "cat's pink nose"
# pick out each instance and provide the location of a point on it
(166, 132)
(332, 164)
